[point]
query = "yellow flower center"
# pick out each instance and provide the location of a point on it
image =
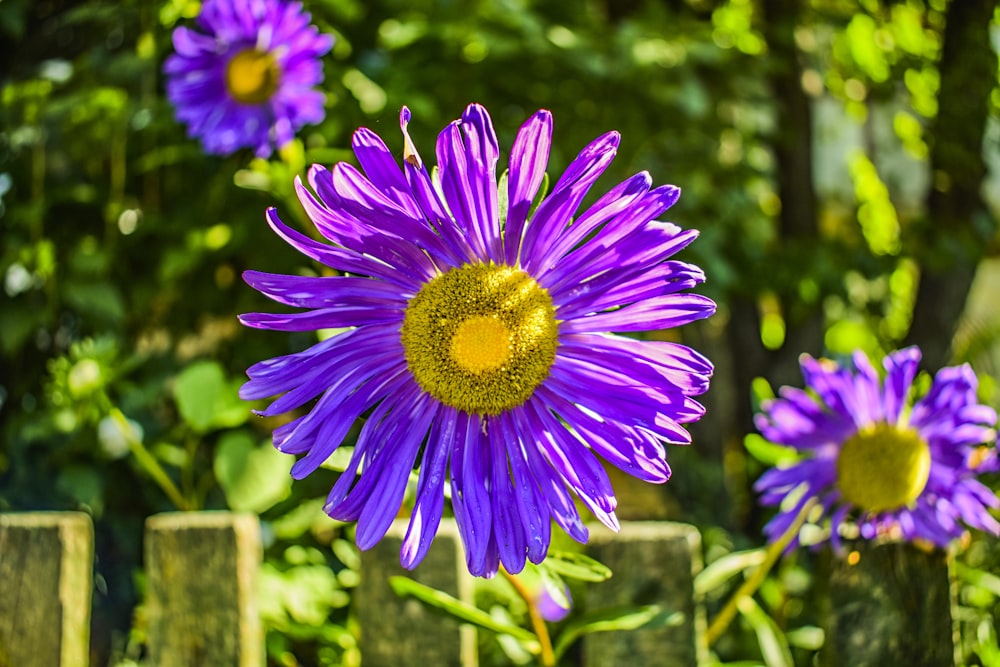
(481, 344)
(481, 337)
(252, 76)
(883, 467)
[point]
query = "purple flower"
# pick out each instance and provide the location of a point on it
(474, 338)
(246, 80)
(901, 472)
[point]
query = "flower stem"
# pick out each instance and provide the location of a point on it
(547, 657)
(148, 462)
(753, 582)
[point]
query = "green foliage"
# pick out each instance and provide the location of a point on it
(773, 645)
(613, 620)
(254, 477)
(461, 610)
(206, 400)
(124, 242)
(575, 566)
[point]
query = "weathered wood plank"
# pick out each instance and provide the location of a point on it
(46, 577)
(201, 600)
(654, 562)
(889, 604)
(398, 632)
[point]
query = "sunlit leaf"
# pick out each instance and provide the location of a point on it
(206, 400)
(253, 477)
(404, 586)
(773, 646)
(722, 570)
(980, 578)
(615, 619)
(576, 566)
(809, 637)
(300, 519)
(769, 453)
(555, 587)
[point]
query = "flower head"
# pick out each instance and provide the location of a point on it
(476, 338)
(246, 79)
(900, 471)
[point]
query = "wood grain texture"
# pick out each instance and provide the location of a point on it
(893, 607)
(654, 562)
(403, 632)
(201, 600)
(46, 582)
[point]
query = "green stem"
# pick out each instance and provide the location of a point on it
(753, 582)
(149, 463)
(547, 657)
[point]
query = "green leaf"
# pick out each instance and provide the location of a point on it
(727, 567)
(196, 390)
(614, 619)
(512, 648)
(576, 566)
(503, 202)
(303, 594)
(769, 453)
(84, 485)
(346, 552)
(985, 580)
(300, 519)
(253, 477)
(206, 400)
(100, 301)
(773, 647)
(404, 586)
(555, 587)
(808, 637)
(340, 459)
(542, 191)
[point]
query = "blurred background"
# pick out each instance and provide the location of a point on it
(839, 157)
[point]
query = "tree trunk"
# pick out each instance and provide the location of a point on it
(953, 237)
(797, 236)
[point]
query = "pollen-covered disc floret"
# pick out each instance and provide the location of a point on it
(480, 338)
(872, 457)
(883, 467)
(252, 76)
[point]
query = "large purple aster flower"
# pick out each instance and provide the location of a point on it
(476, 342)
(901, 472)
(246, 80)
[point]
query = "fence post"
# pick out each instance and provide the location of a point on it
(890, 604)
(653, 562)
(46, 576)
(402, 632)
(201, 600)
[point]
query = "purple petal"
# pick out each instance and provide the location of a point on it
(616, 201)
(324, 291)
(429, 504)
(666, 312)
(393, 469)
(528, 160)
(901, 368)
(557, 209)
(482, 152)
(531, 506)
(470, 496)
(508, 529)
(452, 167)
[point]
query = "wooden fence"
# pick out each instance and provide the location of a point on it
(892, 606)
